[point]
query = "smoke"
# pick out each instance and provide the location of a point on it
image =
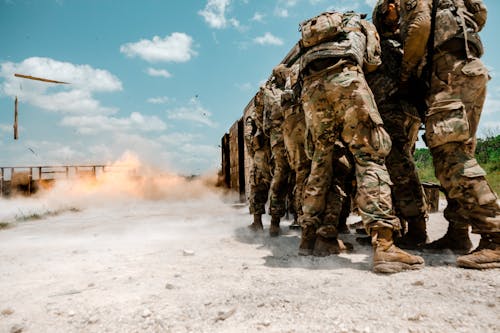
(126, 183)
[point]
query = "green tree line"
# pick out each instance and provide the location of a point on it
(487, 154)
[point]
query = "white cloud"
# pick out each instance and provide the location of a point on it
(97, 124)
(214, 14)
(178, 47)
(244, 86)
(491, 105)
(194, 112)
(82, 77)
(76, 97)
(281, 12)
(258, 17)
(159, 100)
(268, 39)
(282, 7)
(177, 138)
(158, 72)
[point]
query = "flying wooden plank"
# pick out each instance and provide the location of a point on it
(39, 78)
(15, 119)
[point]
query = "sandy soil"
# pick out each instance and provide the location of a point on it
(182, 260)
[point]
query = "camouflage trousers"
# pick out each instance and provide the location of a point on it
(402, 122)
(458, 91)
(294, 129)
(338, 104)
(280, 174)
(260, 179)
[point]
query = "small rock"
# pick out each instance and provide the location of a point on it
(418, 283)
(71, 313)
(188, 252)
(7, 312)
(146, 313)
(92, 320)
(169, 286)
(90, 285)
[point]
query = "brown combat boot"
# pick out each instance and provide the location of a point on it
(387, 258)
(307, 240)
(416, 235)
(324, 247)
(327, 242)
(456, 240)
(256, 226)
(485, 256)
(274, 229)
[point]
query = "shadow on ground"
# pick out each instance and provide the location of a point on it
(284, 252)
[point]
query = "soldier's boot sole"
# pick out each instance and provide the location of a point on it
(294, 226)
(483, 259)
(390, 267)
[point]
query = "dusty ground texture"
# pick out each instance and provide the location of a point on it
(183, 261)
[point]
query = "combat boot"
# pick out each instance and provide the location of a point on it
(327, 242)
(274, 229)
(416, 235)
(256, 226)
(307, 240)
(456, 240)
(387, 258)
(485, 256)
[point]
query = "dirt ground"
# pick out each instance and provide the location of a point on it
(179, 258)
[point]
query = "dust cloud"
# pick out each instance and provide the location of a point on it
(126, 182)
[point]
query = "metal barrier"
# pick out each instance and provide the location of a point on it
(28, 178)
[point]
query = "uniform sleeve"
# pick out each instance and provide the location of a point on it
(417, 21)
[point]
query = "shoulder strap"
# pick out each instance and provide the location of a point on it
(430, 44)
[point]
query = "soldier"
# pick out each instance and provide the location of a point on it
(447, 30)
(294, 128)
(338, 204)
(273, 120)
(402, 122)
(259, 149)
(338, 104)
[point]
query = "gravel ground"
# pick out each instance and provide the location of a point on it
(179, 258)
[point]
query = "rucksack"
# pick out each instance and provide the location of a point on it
(326, 26)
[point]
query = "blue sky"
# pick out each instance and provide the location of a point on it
(164, 79)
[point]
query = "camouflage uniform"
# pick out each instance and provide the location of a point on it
(455, 99)
(402, 122)
(294, 129)
(281, 171)
(259, 149)
(338, 104)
